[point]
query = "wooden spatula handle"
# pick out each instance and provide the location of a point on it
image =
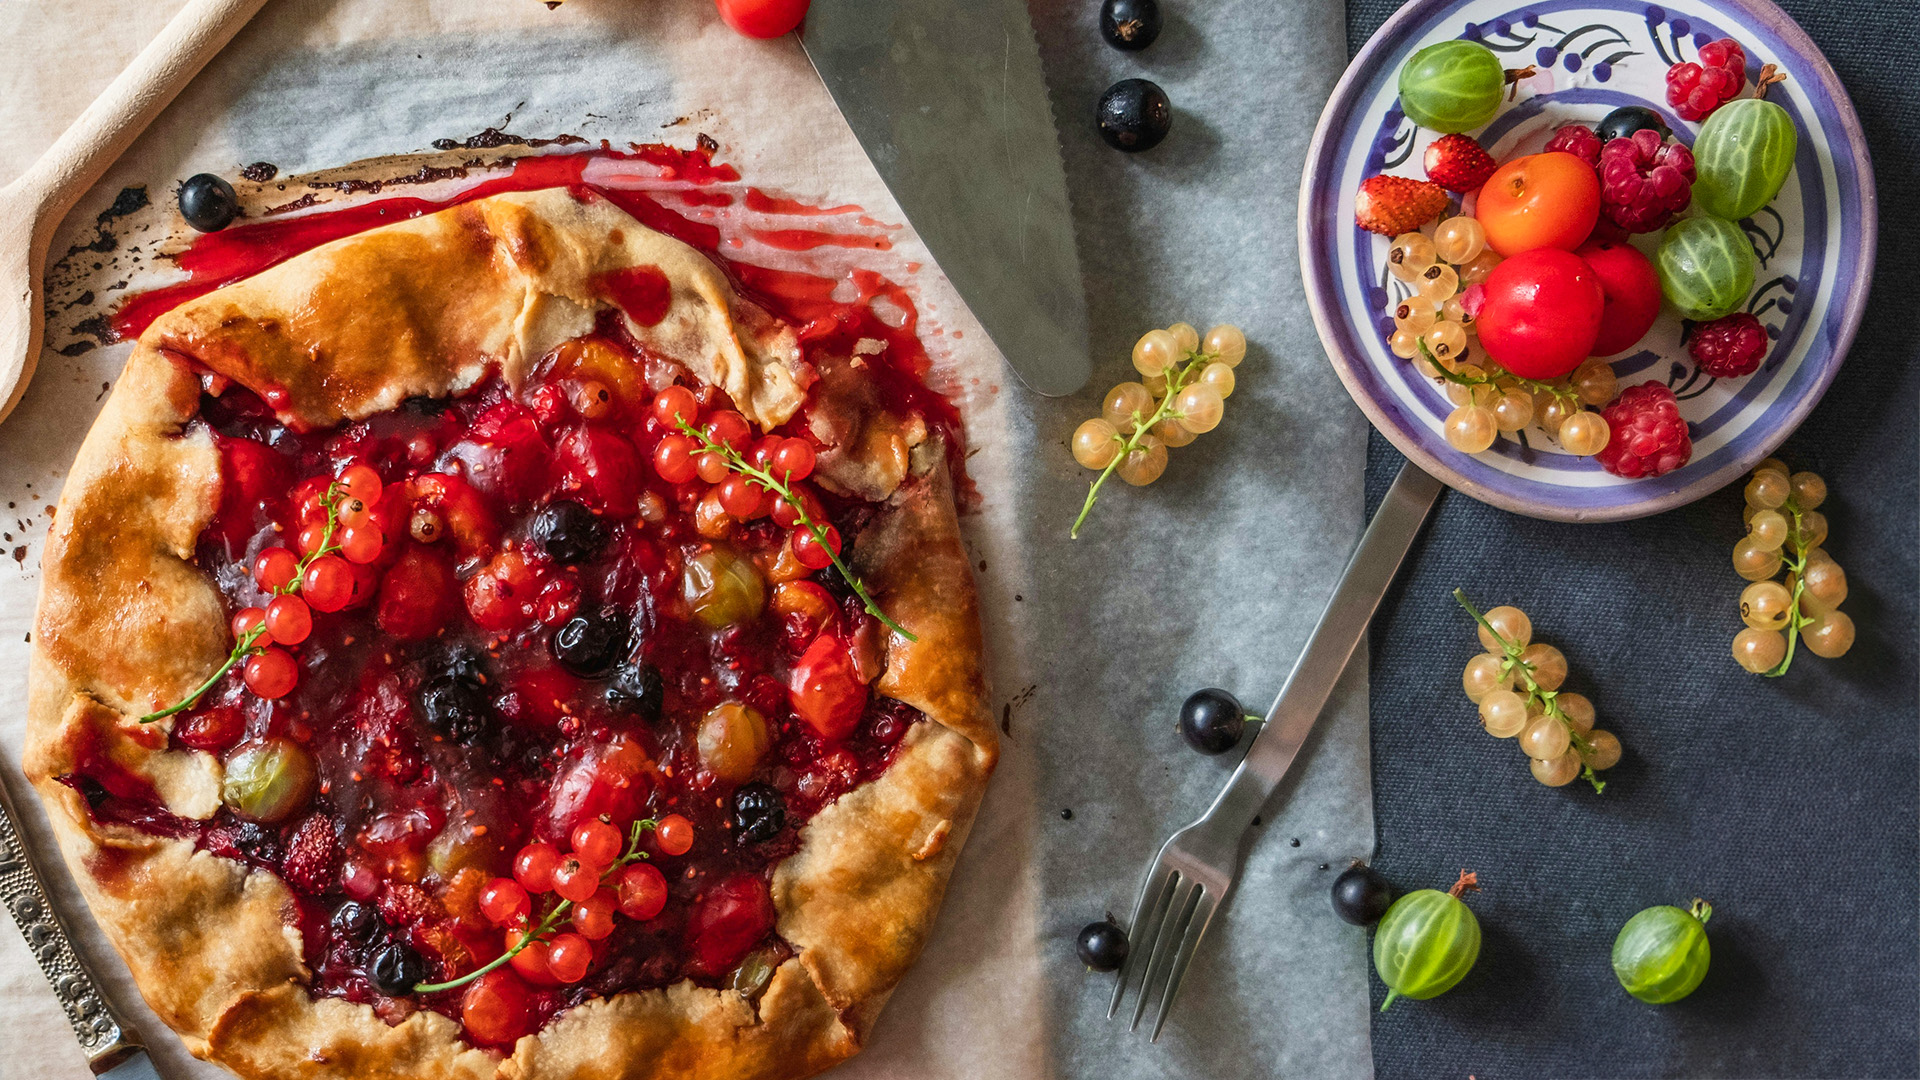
(103, 132)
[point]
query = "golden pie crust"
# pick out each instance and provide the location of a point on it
(126, 624)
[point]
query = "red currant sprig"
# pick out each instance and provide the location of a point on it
(591, 881)
(321, 580)
(817, 546)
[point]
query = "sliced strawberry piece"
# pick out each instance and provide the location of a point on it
(1391, 205)
(311, 855)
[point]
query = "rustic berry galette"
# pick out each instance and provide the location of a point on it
(494, 645)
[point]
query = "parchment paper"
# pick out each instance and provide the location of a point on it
(1212, 577)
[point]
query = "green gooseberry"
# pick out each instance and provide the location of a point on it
(1452, 86)
(1706, 267)
(1426, 943)
(722, 588)
(1662, 953)
(1743, 155)
(266, 780)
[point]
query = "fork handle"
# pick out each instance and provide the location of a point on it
(1344, 622)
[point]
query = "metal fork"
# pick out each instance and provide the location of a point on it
(1196, 867)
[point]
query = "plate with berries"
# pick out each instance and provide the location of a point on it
(1588, 260)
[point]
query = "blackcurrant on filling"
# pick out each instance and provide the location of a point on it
(445, 724)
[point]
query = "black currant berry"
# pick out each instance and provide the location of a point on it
(759, 813)
(1134, 115)
(208, 202)
(589, 644)
(396, 970)
(1102, 946)
(454, 707)
(1212, 721)
(1130, 24)
(355, 922)
(1361, 896)
(1628, 119)
(636, 690)
(568, 532)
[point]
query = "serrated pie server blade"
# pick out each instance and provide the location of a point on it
(948, 99)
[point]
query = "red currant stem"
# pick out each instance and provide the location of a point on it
(1547, 698)
(244, 647)
(546, 927)
(1795, 620)
(1177, 376)
(738, 463)
(552, 919)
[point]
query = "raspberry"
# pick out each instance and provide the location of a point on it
(1644, 181)
(1695, 90)
(1729, 347)
(1649, 438)
(309, 862)
(1578, 140)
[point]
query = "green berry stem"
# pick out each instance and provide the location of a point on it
(547, 923)
(1178, 376)
(244, 647)
(1795, 620)
(1547, 698)
(1534, 385)
(738, 463)
(1701, 910)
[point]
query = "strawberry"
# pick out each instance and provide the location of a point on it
(1391, 205)
(1457, 163)
(310, 854)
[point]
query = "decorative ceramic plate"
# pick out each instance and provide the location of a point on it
(1815, 242)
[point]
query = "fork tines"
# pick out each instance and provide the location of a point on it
(1167, 925)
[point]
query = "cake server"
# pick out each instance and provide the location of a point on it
(948, 100)
(112, 1046)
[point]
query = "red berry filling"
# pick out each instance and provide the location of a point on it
(454, 727)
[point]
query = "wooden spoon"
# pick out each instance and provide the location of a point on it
(33, 206)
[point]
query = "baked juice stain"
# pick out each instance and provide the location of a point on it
(643, 292)
(825, 325)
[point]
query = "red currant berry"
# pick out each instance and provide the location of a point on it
(361, 543)
(289, 619)
(741, 497)
(361, 482)
(807, 548)
(505, 902)
(674, 834)
(785, 516)
(593, 917)
(794, 460)
(642, 891)
(676, 403)
(328, 583)
(673, 459)
(314, 537)
(530, 963)
(272, 674)
(711, 467)
(597, 843)
(569, 956)
(533, 866)
(495, 1009)
(729, 427)
(355, 511)
(244, 622)
(275, 567)
(761, 456)
(575, 879)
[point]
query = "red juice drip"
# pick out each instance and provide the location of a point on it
(761, 202)
(808, 239)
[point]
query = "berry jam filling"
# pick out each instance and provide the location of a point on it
(522, 649)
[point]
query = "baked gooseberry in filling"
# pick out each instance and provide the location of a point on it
(541, 652)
